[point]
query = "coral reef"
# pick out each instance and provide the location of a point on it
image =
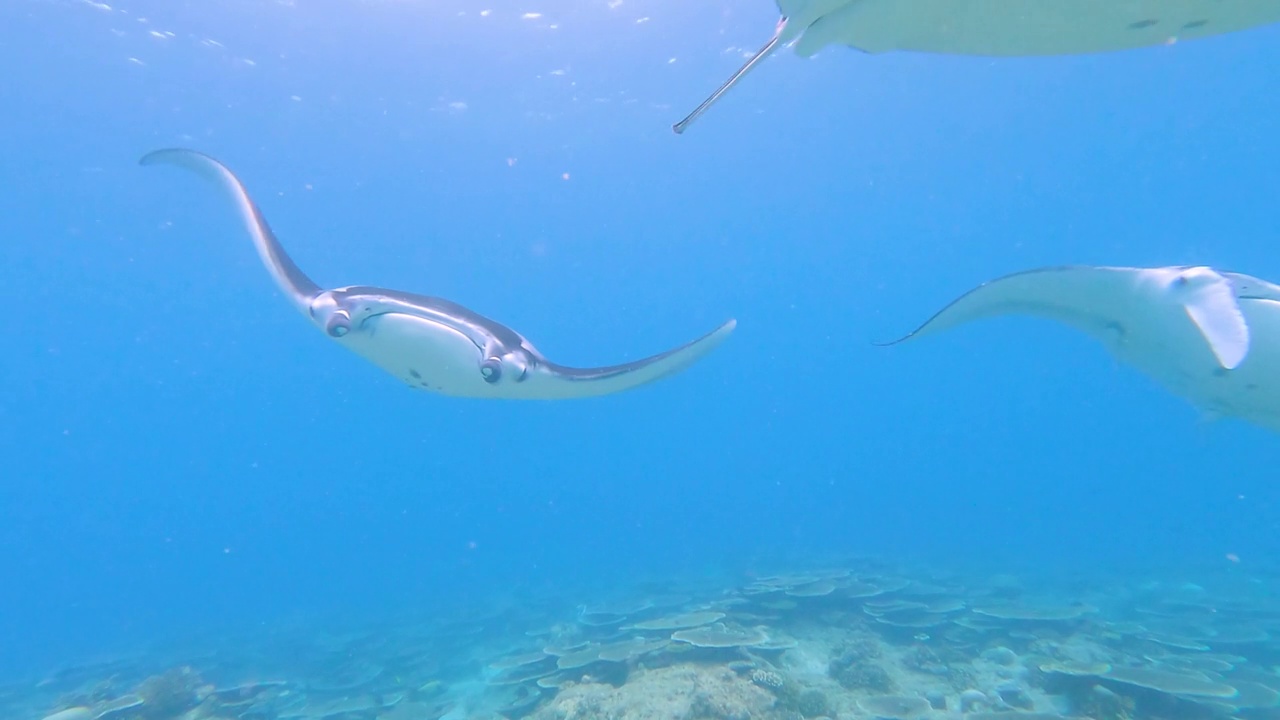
(170, 694)
(678, 692)
(767, 679)
(855, 666)
(812, 703)
(827, 645)
(863, 676)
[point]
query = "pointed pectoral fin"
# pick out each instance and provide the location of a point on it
(561, 382)
(1214, 310)
(296, 286)
(1092, 299)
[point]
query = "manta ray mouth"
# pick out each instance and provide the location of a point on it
(374, 316)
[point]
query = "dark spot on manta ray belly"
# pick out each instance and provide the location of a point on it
(1142, 24)
(414, 380)
(1194, 24)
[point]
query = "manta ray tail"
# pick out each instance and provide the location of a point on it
(747, 67)
(568, 382)
(292, 281)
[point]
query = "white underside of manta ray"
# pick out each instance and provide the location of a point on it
(1212, 337)
(998, 27)
(430, 343)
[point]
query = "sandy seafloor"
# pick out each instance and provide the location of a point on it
(855, 639)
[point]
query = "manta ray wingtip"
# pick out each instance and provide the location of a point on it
(896, 341)
(158, 156)
(715, 337)
(722, 330)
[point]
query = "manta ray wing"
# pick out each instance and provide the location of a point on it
(1248, 287)
(294, 283)
(559, 381)
(1101, 301)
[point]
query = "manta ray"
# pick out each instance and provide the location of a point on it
(999, 28)
(1210, 336)
(430, 343)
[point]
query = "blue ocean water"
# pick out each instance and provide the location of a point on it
(184, 457)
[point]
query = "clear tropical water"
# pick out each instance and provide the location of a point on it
(183, 457)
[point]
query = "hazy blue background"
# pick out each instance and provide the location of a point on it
(181, 452)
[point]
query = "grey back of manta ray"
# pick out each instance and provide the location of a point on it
(996, 27)
(1017, 27)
